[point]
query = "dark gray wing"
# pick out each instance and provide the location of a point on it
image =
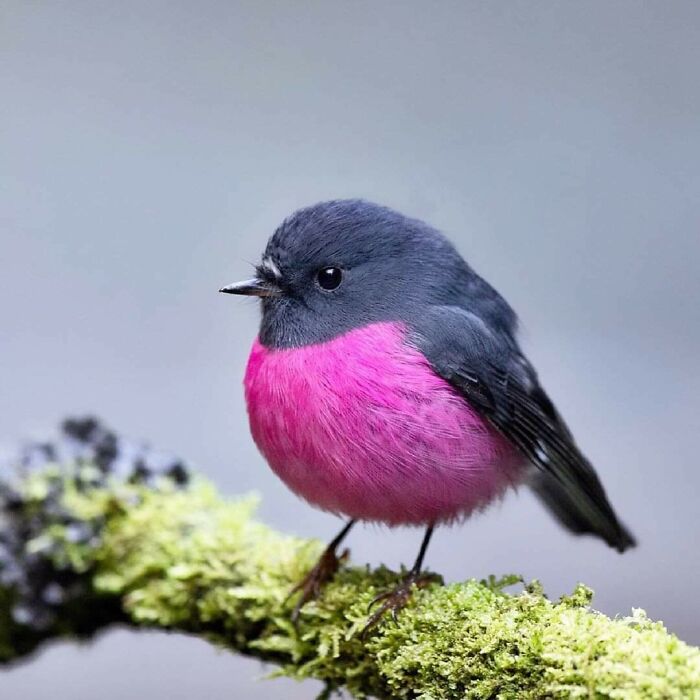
(487, 367)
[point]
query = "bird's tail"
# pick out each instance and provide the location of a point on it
(577, 519)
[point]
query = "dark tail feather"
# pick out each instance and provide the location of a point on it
(566, 510)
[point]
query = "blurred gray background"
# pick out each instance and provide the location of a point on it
(150, 148)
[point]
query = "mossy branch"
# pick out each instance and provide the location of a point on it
(84, 549)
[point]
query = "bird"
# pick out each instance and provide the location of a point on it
(387, 385)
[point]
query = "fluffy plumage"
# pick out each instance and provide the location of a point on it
(361, 425)
(402, 395)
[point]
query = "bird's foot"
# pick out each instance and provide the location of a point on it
(397, 598)
(312, 584)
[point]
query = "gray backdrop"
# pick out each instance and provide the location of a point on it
(149, 149)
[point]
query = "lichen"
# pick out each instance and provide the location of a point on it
(83, 547)
(193, 562)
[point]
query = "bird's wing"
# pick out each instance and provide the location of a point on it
(489, 370)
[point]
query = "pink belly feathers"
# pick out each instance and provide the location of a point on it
(362, 426)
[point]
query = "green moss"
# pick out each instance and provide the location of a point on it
(187, 560)
(190, 561)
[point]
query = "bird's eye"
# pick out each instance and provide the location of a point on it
(329, 278)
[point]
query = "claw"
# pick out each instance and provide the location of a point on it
(311, 585)
(378, 598)
(396, 598)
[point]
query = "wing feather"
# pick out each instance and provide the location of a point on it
(491, 373)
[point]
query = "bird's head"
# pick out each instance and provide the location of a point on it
(343, 264)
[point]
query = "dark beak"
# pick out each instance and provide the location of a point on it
(253, 288)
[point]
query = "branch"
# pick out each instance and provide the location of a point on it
(94, 534)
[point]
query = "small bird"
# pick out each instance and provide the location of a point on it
(387, 384)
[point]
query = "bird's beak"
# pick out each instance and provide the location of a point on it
(255, 287)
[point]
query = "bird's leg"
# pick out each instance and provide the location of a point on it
(322, 572)
(396, 598)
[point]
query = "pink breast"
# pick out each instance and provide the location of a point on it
(362, 426)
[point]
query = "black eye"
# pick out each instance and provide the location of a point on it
(329, 278)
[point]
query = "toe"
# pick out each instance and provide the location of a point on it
(312, 584)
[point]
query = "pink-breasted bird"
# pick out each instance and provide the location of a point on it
(387, 385)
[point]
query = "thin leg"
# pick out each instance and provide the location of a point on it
(324, 570)
(397, 598)
(423, 549)
(333, 544)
